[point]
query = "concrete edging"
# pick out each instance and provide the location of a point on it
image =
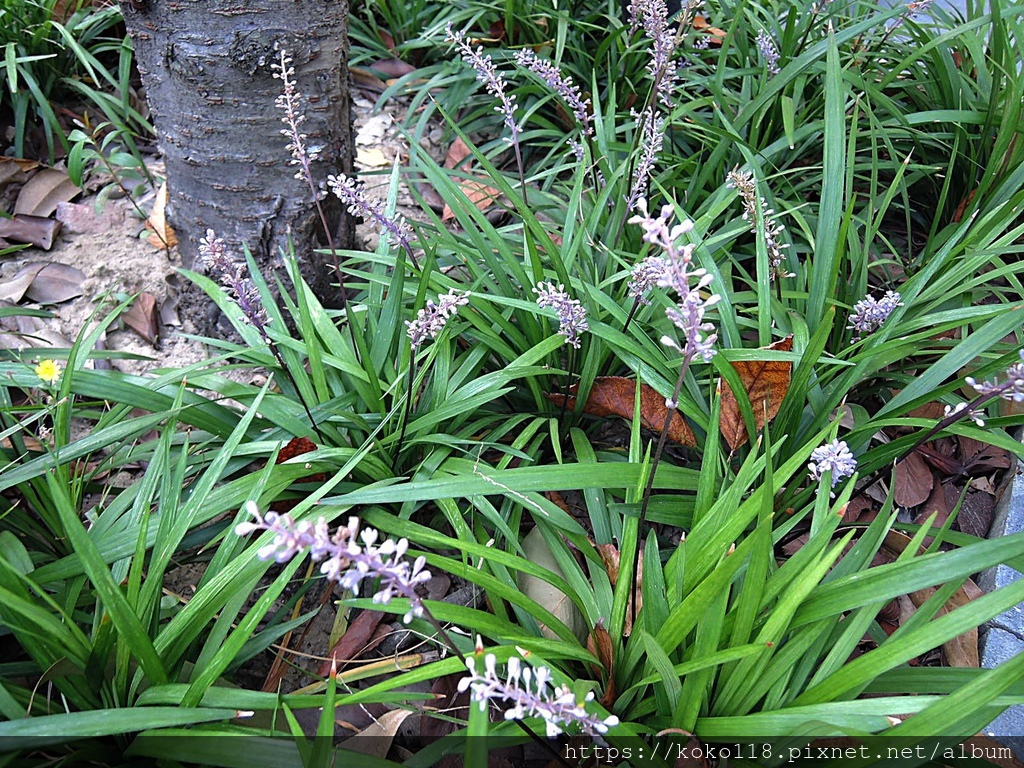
(1002, 637)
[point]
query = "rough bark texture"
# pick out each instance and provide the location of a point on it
(206, 67)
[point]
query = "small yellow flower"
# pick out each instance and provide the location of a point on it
(49, 371)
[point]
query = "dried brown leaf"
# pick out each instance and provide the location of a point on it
(961, 651)
(717, 35)
(41, 193)
(477, 192)
(766, 383)
(375, 740)
(392, 68)
(914, 481)
(365, 79)
(55, 283)
(355, 641)
(142, 318)
(163, 236)
(22, 228)
(457, 153)
(613, 396)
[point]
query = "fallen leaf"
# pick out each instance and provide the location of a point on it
(163, 236)
(941, 502)
(364, 78)
(611, 558)
(391, 68)
(477, 192)
(41, 193)
(914, 481)
(976, 513)
(355, 641)
(613, 396)
(55, 283)
(373, 157)
(22, 228)
(536, 550)
(766, 383)
(375, 740)
(457, 152)
(717, 35)
(600, 644)
(141, 317)
(961, 651)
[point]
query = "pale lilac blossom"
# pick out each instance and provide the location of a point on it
(572, 316)
(561, 84)
(677, 274)
(431, 320)
(350, 556)
(651, 141)
(769, 52)
(354, 196)
(973, 414)
(488, 74)
(835, 457)
(869, 313)
(743, 182)
(530, 693)
(213, 252)
(645, 276)
(290, 101)
(1011, 388)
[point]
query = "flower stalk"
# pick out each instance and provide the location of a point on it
(698, 336)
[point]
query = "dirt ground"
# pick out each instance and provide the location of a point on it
(112, 251)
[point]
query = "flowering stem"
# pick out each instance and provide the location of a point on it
(949, 420)
(408, 408)
(670, 409)
(632, 313)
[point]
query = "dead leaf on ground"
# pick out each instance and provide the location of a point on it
(961, 651)
(914, 481)
(375, 740)
(356, 640)
(142, 318)
(477, 192)
(600, 644)
(457, 153)
(55, 283)
(766, 383)
(14, 170)
(60, 280)
(392, 68)
(163, 236)
(976, 513)
(36, 230)
(941, 503)
(613, 396)
(716, 35)
(372, 157)
(41, 193)
(365, 79)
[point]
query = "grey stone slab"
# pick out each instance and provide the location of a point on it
(1003, 637)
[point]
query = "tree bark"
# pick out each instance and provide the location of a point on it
(206, 67)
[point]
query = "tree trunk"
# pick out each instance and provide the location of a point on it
(206, 67)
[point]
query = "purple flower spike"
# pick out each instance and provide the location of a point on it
(488, 74)
(561, 84)
(350, 555)
(530, 694)
(431, 320)
(572, 316)
(834, 456)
